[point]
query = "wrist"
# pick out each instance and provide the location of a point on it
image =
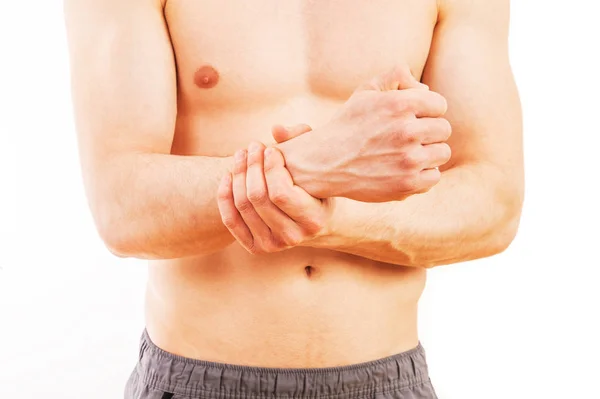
(329, 235)
(307, 171)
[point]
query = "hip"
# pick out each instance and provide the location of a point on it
(163, 375)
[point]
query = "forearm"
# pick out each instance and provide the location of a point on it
(159, 206)
(307, 158)
(472, 213)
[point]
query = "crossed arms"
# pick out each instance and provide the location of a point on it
(150, 204)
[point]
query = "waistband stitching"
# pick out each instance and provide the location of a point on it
(417, 351)
(153, 382)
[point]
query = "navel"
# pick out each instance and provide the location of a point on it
(309, 271)
(206, 77)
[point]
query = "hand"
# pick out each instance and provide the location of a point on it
(261, 206)
(384, 144)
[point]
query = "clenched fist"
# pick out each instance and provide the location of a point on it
(384, 144)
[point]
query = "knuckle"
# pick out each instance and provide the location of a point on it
(258, 196)
(279, 197)
(253, 249)
(224, 195)
(407, 131)
(387, 102)
(409, 183)
(412, 160)
(228, 221)
(412, 104)
(290, 239)
(403, 104)
(243, 204)
(271, 246)
(313, 225)
(409, 101)
(391, 107)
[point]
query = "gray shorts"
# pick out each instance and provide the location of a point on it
(162, 375)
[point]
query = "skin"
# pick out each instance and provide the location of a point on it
(165, 101)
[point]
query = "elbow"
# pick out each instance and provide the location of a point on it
(495, 238)
(118, 219)
(118, 247)
(116, 228)
(116, 236)
(505, 230)
(496, 241)
(504, 236)
(125, 236)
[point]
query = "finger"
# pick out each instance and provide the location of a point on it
(422, 103)
(260, 231)
(300, 206)
(428, 178)
(284, 229)
(437, 154)
(229, 214)
(285, 133)
(431, 130)
(398, 78)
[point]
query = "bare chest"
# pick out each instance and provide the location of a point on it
(237, 51)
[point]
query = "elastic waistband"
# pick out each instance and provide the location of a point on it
(198, 378)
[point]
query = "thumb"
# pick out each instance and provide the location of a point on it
(283, 133)
(273, 159)
(398, 78)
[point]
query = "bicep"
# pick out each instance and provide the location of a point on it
(123, 78)
(469, 66)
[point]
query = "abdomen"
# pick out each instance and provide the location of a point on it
(268, 311)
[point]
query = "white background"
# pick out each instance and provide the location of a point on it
(521, 325)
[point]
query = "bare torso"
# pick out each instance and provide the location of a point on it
(242, 67)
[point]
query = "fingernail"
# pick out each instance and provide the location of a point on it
(254, 147)
(240, 155)
(227, 178)
(268, 152)
(424, 86)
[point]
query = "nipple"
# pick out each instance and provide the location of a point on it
(206, 77)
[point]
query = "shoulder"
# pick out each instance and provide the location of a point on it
(116, 5)
(488, 17)
(468, 9)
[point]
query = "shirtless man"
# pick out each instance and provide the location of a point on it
(294, 270)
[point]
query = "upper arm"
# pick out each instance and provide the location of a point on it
(469, 65)
(123, 79)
